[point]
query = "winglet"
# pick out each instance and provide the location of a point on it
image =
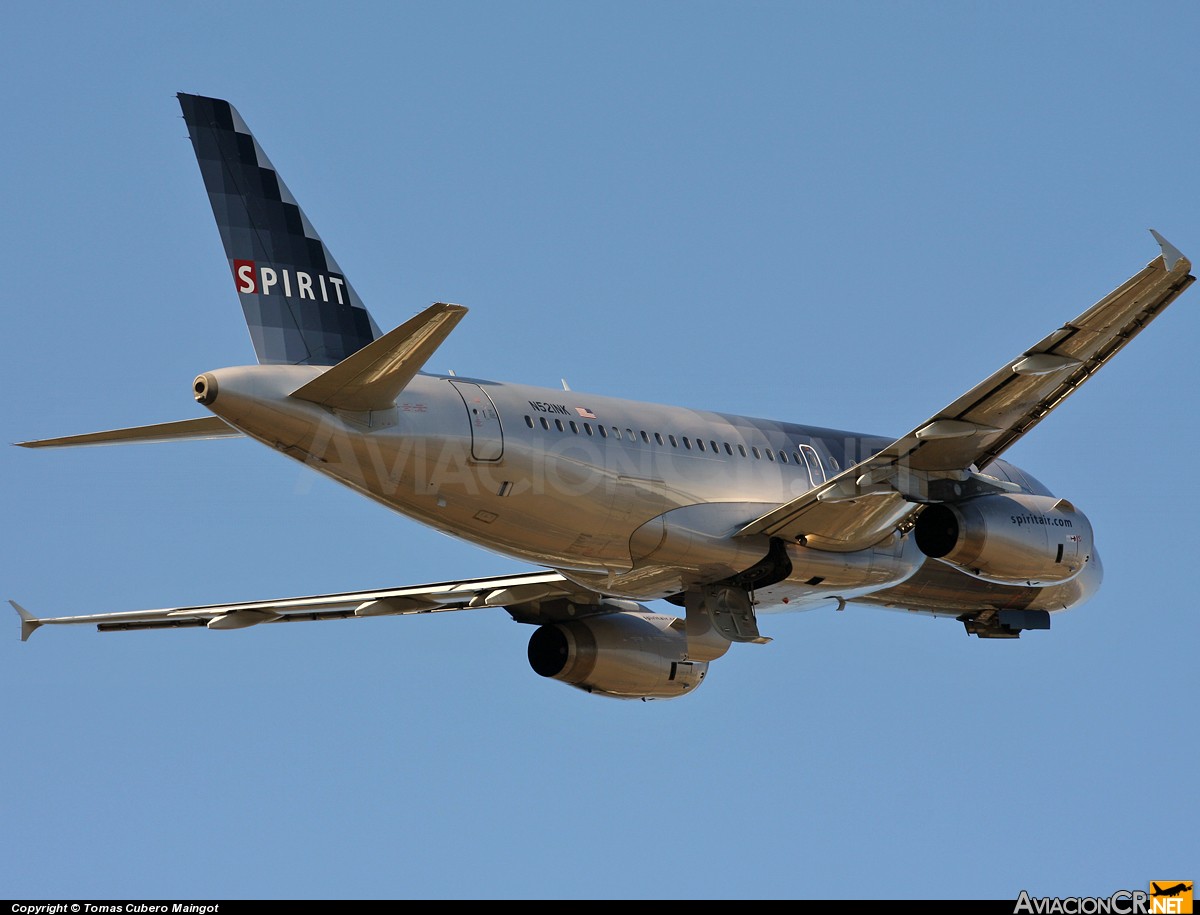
(1171, 254)
(29, 622)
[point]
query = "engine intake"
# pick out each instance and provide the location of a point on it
(623, 655)
(1008, 539)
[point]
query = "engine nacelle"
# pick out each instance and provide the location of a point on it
(624, 655)
(1008, 539)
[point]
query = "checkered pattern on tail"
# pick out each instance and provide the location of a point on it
(299, 307)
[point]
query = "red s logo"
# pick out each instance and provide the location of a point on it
(243, 276)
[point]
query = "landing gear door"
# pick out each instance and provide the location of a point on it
(487, 437)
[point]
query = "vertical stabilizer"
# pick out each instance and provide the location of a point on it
(299, 306)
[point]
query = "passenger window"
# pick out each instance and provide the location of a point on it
(687, 444)
(742, 450)
(754, 448)
(628, 432)
(529, 421)
(770, 455)
(558, 424)
(658, 437)
(674, 444)
(715, 449)
(783, 456)
(700, 443)
(587, 427)
(604, 432)
(545, 425)
(574, 428)
(645, 437)
(728, 449)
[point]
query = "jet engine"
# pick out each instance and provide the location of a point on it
(1008, 539)
(626, 655)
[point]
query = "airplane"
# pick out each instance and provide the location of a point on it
(617, 503)
(1170, 890)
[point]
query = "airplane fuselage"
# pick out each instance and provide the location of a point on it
(619, 502)
(636, 500)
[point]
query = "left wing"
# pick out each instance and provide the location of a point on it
(936, 460)
(533, 597)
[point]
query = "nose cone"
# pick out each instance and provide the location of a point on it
(1078, 590)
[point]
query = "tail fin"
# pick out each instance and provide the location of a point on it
(298, 305)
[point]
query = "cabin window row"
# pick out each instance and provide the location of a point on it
(648, 438)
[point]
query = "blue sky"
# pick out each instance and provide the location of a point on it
(841, 214)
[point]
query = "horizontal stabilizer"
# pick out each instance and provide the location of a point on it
(204, 427)
(372, 378)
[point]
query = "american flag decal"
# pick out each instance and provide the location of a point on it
(586, 414)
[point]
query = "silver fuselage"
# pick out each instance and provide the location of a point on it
(632, 499)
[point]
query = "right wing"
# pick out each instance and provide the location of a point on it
(864, 503)
(532, 597)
